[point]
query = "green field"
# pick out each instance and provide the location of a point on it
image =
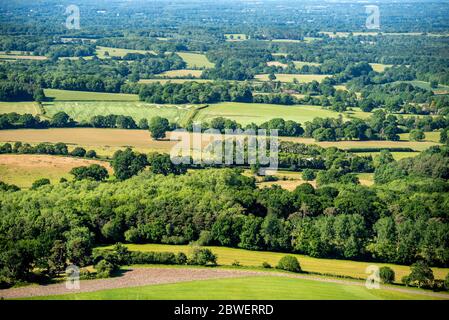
(68, 95)
(19, 107)
(226, 256)
(396, 155)
(433, 136)
(85, 110)
(245, 113)
(117, 52)
(441, 89)
(236, 37)
(185, 73)
(300, 64)
(247, 288)
(195, 60)
(22, 170)
(164, 81)
(302, 78)
(379, 67)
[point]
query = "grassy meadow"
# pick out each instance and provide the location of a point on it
(227, 256)
(164, 81)
(85, 110)
(195, 60)
(302, 78)
(245, 113)
(68, 95)
(30, 107)
(245, 288)
(117, 52)
(186, 73)
(22, 170)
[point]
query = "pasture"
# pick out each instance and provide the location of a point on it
(236, 37)
(20, 55)
(85, 110)
(226, 256)
(379, 67)
(195, 60)
(302, 78)
(22, 170)
(441, 89)
(433, 136)
(300, 64)
(182, 73)
(244, 288)
(245, 113)
(164, 81)
(30, 107)
(68, 95)
(117, 52)
(276, 64)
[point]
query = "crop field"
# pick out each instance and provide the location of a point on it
(300, 64)
(164, 81)
(117, 52)
(417, 146)
(379, 67)
(187, 73)
(441, 89)
(276, 64)
(396, 155)
(302, 78)
(195, 60)
(227, 256)
(245, 113)
(22, 170)
(245, 288)
(19, 55)
(19, 107)
(85, 110)
(236, 37)
(68, 95)
(433, 136)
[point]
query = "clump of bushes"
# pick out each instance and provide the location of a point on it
(289, 263)
(202, 257)
(266, 265)
(387, 275)
(421, 276)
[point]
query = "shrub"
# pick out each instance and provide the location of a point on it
(308, 175)
(78, 152)
(266, 265)
(152, 258)
(181, 258)
(39, 183)
(406, 280)
(202, 257)
(104, 269)
(387, 275)
(421, 274)
(289, 263)
(91, 154)
(205, 238)
(236, 263)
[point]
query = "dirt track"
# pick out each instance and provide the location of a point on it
(153, 276)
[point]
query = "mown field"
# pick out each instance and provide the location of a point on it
(85, 110)
(107, 141)
(19, 107)
(247, 288)
(195, 60)
(245, 113)
(433, 136)
(302, 78)
(300, 64)
(379, 67)
(117, 52)
(227, 256)
(188, 73)
(68, 95)
(22, 170)
(164, 81)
